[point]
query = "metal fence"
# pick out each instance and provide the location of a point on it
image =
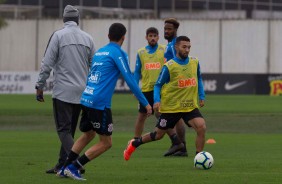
(255, 9)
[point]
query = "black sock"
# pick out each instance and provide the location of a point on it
(71, 157)
(174, 139)
(137, 142)
(81, 161)
(197, 152)
(184, 149)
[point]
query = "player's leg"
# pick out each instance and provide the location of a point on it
(175, 140)
(87, 136)
(165, 122)
(101, 121)
(139, 125)
(142, 114)
(181, 131)
(199, 126)
(157, 134)
(65, 115)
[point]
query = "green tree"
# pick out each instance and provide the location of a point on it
(2, 20)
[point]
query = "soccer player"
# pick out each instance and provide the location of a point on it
(170, 34)
(108, 63)
(179, 98)
(149, 62)
(69, 53)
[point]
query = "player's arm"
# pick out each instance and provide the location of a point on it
(201, 90)
(168, 53)
(122, 64)
(137, 71)
(92, 52)
(163, 78)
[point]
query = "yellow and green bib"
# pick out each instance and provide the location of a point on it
(151, 66)
(181, 93)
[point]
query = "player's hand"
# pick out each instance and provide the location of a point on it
(202, 103)
(157, 107)
(39, 95)
(149, 110)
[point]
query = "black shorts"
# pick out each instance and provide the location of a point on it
(169, 120)
(98, 120)
(150, 98)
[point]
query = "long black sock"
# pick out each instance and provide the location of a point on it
(81, 161)
(174, 139)
(137, 142)
(71, 157)
(184, 149)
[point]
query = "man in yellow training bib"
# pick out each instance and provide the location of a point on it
(178, 93)
(149, 62)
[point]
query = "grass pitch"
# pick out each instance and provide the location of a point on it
(247, 130)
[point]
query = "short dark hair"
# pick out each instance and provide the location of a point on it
(152, 30)
(172, 21)
(182, 38)
(116, 31)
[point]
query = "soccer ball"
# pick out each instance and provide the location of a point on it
(203, 160)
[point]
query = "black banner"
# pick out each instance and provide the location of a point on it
(228, 83)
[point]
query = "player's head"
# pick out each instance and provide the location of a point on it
(117, 32)
(182, 46)
(152, 36)
(170, 28)
(71, 14)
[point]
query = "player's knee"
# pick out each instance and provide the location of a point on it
(201, 128)
(107, 144)
(89, 135)
(153, 135)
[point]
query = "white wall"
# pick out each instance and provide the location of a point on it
(244, 46)
(231, 46)
(205, 41)
(275, 47)
(17, 46)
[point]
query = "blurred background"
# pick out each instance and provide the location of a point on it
(238, 42)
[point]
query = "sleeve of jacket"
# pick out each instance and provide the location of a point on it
(49, 60)
(92, 51)
(137, 72)
(200, 84)
(122, 64)
(163, 78)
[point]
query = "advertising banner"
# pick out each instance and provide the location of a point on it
(267, 84)
(22, 83)
(229, 83)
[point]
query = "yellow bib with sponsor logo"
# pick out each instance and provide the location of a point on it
(151, 66)
(181, 93)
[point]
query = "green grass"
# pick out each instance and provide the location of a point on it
(247, 130)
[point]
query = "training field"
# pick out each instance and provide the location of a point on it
(247, 130)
